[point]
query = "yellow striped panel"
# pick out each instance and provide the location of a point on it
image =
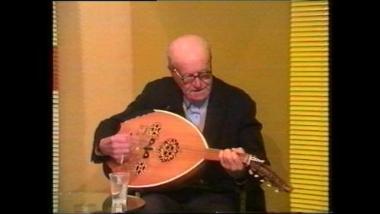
(308, 94)
(310, 187)
(307, 167)
(316, 13)
(55, 151)
(304, 118)
(309, 147)
(308, 201)
(299, 55)
(311, 155)
(309, 19)
(317, 69)
(306, 193)
(302, 113)
(55, 106)
(308, 102)
(299, 52)
(300, 210)
(308, 44)
(308, 84)
(307, 98)
(308, 182)
(308, 142)
(307, 152)
(309, 107)
(310, 128)
(303, 137)
(55, 36)
(308, 24)
(308, 207)
(301, 119)
(309, 88)
(309, 197)
(313, 133)
(307, 171)
(309, 39)
(309, 118)
(311, 28)
(307, 49)
(305, 62)
(309, 177)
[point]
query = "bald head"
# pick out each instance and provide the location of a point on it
(188, 49)
(190, 56)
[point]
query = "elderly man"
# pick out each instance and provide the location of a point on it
(223, 113)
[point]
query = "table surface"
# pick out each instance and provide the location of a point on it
(93, 202)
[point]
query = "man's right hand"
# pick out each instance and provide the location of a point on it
(117, 146)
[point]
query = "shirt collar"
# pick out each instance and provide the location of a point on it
(188, 104)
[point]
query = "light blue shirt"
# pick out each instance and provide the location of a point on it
(196, 113)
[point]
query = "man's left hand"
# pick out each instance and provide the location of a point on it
(231, 160)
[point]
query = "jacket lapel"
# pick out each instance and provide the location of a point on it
(215, 116)
(215, 112)
(177, 108)
(174, 100)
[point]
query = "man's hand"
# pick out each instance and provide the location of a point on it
(117, 146)
(231, 161)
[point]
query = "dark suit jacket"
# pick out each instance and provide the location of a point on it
(230, 122)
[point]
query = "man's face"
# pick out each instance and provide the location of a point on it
(194, 78)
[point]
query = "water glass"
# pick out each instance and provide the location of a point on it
(119, 190)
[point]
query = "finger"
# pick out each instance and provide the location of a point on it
(223, 156)
(119, 138)
(230, 159)
(122, 151)
(105, 141)
(117, 157)
(119, 146)
(233, 160)
(240, 153)
(126, 141)
(238, 150)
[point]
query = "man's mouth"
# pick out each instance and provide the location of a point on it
(197, 91)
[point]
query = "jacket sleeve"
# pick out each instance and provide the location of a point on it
(250, 128)
(111, 126)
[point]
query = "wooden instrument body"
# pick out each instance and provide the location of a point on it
(168, 148)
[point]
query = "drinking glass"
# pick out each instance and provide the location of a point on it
(119, 190)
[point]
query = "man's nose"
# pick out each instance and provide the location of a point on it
(197, 82)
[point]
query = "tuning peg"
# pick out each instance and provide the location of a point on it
(256, 176)
(250, 172)
(262, 180)
(276, 191)
(269, 185)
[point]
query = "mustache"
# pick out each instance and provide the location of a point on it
(190, 90)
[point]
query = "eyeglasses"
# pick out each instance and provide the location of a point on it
(205, 76)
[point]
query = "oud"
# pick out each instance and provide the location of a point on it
(169, 148)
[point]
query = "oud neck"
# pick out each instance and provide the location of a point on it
(212, 154)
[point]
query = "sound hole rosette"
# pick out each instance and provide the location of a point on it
(154, 130)
(140, 167)
(168, 149)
